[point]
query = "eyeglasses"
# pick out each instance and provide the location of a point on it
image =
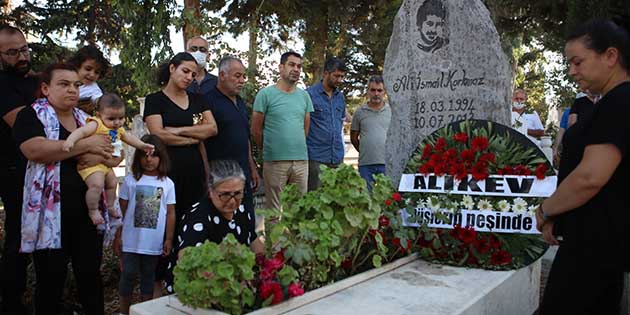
(199, 48)
(24, 50)
(225, 196)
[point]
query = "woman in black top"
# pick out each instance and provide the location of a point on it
(182, 121)
(589, 214)
(219, 214)
(39, 131)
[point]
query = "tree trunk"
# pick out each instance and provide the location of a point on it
(252, 54)
(190, 31)
(315, 45)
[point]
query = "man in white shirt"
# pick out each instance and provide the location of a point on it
(526, 121)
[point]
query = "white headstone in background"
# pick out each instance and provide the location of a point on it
(444, 63)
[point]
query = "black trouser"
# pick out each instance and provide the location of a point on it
(581, 285)
(13, 267)
(79, 242)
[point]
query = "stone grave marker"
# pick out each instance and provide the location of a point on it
(444, 63)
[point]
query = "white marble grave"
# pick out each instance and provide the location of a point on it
(408, 286)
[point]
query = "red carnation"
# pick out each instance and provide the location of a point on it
(425, 169)
(500, 257)
(468, 235)
(388, 202)
(479, 143)
(541, 169)
(522, 170)
(295, 289)
(269, 288)
(487, 157)
(460, 137)
(494, 241)
(480, 171)
(482, 246)
(450, 154)
(468, 155)
(383, 221)
(506, 170)
(438, 169)
(427, 151)
(397, 197)
(440, 145)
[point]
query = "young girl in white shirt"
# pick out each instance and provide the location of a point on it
(147, 200)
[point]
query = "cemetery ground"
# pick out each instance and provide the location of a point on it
(110, 274)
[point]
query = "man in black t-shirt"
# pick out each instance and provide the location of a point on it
(17, 89)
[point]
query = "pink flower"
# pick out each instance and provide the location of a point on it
(295, 289)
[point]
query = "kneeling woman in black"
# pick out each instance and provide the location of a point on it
(217, 215)
(590, 209)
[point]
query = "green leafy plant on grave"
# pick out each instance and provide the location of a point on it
(327, 234)
(216, 276)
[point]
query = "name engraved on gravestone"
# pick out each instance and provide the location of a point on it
(444, 63)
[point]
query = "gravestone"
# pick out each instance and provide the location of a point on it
(444, 63)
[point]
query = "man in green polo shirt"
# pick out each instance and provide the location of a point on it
(280, 124)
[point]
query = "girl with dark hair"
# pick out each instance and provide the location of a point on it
(147, 199)
(182, 120)
(588, 215)
(91, 66)
(55, 222)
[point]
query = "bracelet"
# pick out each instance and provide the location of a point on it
(544, 215)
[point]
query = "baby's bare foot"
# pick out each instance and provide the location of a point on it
(96, 217)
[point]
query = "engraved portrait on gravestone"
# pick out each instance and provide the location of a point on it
(431, 21)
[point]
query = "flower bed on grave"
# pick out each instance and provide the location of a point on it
(341, 229)
(472, 187)
(323, 236)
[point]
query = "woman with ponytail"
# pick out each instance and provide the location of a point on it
(182, 121)
(589, 214)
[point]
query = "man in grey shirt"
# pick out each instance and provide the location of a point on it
(368, 131)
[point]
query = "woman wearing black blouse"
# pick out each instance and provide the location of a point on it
(182, 121)
(589, 214)
(219, 214)
(65, 232)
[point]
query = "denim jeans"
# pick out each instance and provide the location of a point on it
(368, 171)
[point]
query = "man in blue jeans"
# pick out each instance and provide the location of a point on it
(368, 131)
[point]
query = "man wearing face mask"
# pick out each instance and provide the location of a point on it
(526, 121)
(204, 81)
(17, 87)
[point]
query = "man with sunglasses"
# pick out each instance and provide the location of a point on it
(204, 81)
(368, 131)
(17, 88)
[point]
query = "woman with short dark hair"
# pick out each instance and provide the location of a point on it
(217, 215)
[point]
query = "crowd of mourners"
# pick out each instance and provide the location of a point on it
(193, 176)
